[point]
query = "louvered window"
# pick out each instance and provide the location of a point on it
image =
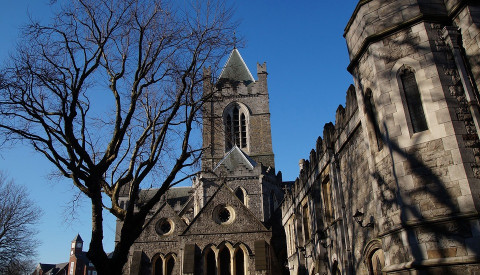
(235, 128)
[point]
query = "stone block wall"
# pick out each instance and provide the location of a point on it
(468, 21)
(413, 196)
(254, 96)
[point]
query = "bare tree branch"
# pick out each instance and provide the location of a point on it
(18, 217)
(110, 92)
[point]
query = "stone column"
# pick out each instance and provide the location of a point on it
(452, 36)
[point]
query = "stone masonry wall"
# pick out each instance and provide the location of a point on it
(256, 99)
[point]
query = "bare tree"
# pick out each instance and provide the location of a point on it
(110, 92)
(18, 217)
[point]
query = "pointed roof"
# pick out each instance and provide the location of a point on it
(235, 68)
(77, 239)
(234, 158)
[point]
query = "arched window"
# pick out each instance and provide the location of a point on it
(240, 195)
(413, 100)
(306, 222)
(243, 131)
(169, 265)
(228, 133)
(158, 266)
(210, 262)
(235, 127)
(327, 200)
(224, 261)
(239, 262)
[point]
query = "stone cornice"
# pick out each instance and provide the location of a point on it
(381, 35)
(443, 19)
(355, 12)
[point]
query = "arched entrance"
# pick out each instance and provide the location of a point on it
(377, 262)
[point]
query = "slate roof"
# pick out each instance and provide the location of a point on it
(53, 269)
(234, 158)
(78, 239)
(235, 68)
(173, 195)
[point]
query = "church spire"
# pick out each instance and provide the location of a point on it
(235, 69)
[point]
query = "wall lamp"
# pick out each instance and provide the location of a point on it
(358, 216)
(325, 241)
(285, 264)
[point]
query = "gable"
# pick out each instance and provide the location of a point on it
(153, 230)
(210, 221)
(236, 158)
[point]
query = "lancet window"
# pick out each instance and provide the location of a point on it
(413, 100)
(235, 128)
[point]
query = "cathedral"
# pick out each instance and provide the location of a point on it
(392, 187)
(222, 224)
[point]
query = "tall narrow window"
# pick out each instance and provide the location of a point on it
(235, 127)
(240, 195)
(210, 263)
(372, 116)
(414, 101)
(239, 262)
(224, 261)
(228, 132)
(306, 223)
(243, 130)
(327, 200)
(170, 265)
(158, 266)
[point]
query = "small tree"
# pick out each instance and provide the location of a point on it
(18, 217)
(110, 93)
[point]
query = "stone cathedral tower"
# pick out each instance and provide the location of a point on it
(222, 224)
(238, 115)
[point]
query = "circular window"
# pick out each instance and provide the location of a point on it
(223, 214)
(164, 227)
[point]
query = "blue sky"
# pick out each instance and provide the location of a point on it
(306, 57)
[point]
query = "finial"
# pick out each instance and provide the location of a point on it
(234, 39)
